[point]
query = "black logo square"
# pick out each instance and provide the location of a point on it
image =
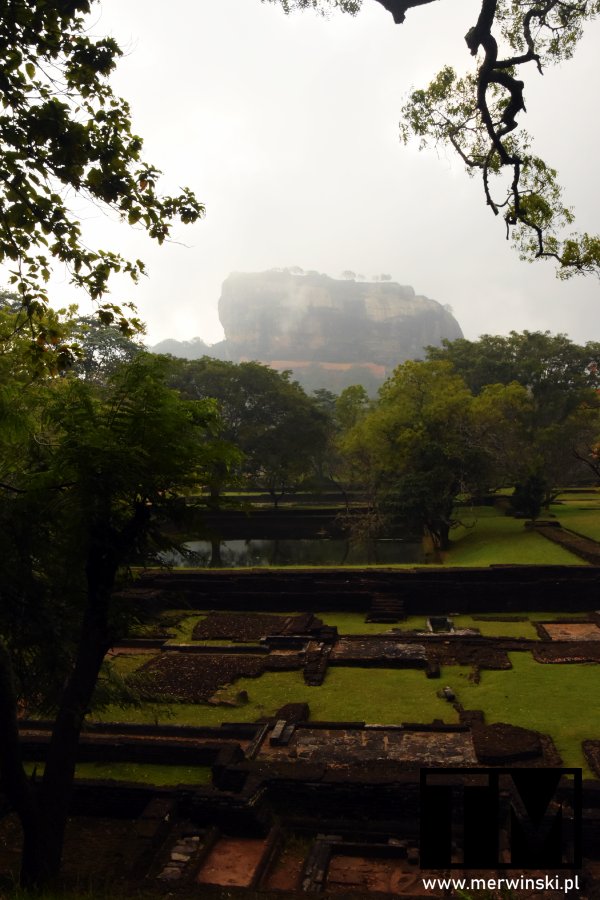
(500, 819)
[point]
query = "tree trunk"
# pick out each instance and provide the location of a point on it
(59, 772)
(441, 536)
(107, 549)
(214, 500)
(18, 788)
(215, 554)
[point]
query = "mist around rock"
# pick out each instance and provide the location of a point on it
(329, 332)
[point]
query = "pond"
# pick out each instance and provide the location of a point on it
(295, 552)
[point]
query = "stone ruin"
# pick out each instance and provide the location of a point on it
(296, 804)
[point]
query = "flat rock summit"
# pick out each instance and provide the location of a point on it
(329, 332)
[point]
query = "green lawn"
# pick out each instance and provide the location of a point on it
(562, 700)
(575, 495)
(559, 699)
(496, 538)
(354, 623)
(184, 628)
(386, 696)
(146, 773)
(176, 714)
(142, 773)
(497, 629)
(575, 516)
(127, 663)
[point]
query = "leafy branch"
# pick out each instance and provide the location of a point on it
(64, 134)
(478, 115)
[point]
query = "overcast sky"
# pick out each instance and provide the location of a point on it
(287, 128)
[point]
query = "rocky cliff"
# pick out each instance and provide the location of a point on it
(308, 322)
(331, 333)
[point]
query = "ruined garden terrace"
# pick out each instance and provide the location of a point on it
(279, 749)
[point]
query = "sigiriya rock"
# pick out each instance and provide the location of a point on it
(329, 332)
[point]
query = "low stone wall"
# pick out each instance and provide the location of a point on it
(424, 590)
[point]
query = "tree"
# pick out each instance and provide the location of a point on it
(64, 134)
(279, 430)
(477, 115)
(351, 406)
(417, 447)
(502, 417)
(101, 348)
(559, 374)
(88, 474)
(528, 497)
(554, 425)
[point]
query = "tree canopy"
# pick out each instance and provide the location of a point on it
(417, 446)
(65, 135)
(431, 437)
(478, 115)
(262, 413)
(559, 374)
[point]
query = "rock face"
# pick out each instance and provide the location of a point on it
(330, 333)
(313, 323)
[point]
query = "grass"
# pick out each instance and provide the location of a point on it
(497, 629)
(354, 623)
(184, 628)
(216, 643)
(141, 773)
(127, 663)
(498, 539)
(577, 518)
(384, 696)
(562, 700)
(577, 494)
(199, 714)
(559, 699)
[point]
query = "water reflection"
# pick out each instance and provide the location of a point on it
(294, 552)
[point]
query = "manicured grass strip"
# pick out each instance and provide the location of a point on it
(174, 714)
(562, 700)
(497, 629)
(145, 773)
(184, 628)
(354, 623)
(385, 696)
(573, 495)
(142, 773)
(584, 521)
(127, 663)
(217, 643)
(501, 539)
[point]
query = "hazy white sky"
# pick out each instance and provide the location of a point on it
(287, 128)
